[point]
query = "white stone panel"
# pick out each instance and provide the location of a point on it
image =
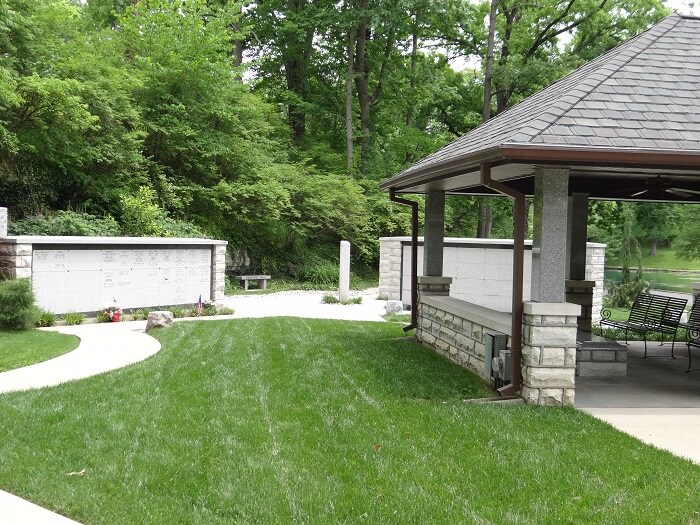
(88, 280)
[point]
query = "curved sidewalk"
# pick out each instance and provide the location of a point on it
(103, 347)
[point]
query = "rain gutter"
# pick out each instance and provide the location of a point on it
(516, 330)
(414, 256)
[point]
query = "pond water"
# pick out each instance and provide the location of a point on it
(670, 281)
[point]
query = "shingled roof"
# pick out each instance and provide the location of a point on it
(634, 111)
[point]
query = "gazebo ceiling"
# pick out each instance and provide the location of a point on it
(626, 124)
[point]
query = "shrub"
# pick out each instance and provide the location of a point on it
(353, 300)
(140, 315)
(102, 317)
(66, 222)
(45, 318)
(73, 318)
(320, 273)
(329, 298)
(225, 310)
(17, 310)
(179, 311)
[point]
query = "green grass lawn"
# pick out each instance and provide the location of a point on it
(666, 259)
(279, 421)
(26, 347)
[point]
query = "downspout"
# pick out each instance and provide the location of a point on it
(414, 256)
(516, 328)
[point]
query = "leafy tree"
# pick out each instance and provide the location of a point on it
(656, 223)
(688, 240)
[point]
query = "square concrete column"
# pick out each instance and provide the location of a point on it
(549, 243)
(577, 236)
(434, 238)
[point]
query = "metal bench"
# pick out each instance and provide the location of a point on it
(650, 313)
(692, 329)
(261, 280)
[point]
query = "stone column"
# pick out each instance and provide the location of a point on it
(549, 236)
(433, 241)
(549, 353)
(577, 236)
(390, 268)
(3, 222)
(218, 269)
(15, 261)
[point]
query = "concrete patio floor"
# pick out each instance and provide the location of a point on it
(657, 402)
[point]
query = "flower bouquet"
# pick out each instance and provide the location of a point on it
(113, 313)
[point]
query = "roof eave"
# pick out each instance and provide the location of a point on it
(417, 175)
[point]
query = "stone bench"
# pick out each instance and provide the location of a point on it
(599, 357)
(261, 280)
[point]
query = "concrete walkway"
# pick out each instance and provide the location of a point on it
(657, 402)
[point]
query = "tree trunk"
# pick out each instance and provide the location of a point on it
(652, 247)
(414, 65)
(483, 227)
(362, 84)
(348, 100)
(488, 74)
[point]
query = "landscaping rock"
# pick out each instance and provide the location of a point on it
(393, 307)
(159, 319)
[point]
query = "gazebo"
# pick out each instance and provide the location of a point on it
(625, 126)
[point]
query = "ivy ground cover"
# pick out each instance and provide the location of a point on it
(278, 421)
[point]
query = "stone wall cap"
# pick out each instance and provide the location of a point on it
(493, 319)
(579, 283)
(535, 308)
(472, 240)
(434, 279)
(73, 239)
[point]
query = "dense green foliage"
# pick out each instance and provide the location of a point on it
(144, 119)
(17, 310)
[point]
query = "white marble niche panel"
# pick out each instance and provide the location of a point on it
(90, 279)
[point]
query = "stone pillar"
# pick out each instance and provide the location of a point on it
(390, 268)
(549, 353)
(218, 272)
(3, 222)
(595, 271)
(344, 284)
(549, 236)
(580, 292)
(15, 261)
(577, 236)
(433, 241)
(433, 285)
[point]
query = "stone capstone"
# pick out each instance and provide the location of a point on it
(159, 319)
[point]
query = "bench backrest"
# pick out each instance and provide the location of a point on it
(640, 307)
(675, 306)
(658, 310)
(694, 316)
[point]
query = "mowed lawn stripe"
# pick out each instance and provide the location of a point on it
(280, 421)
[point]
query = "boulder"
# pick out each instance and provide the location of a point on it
(393, 307)
(159, 319)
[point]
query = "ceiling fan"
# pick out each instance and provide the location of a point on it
(659, 185)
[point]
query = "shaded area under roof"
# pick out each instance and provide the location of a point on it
(627, 124)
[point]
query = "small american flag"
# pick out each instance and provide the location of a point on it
(200, 306)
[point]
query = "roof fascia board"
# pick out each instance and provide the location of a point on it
(630, 157)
